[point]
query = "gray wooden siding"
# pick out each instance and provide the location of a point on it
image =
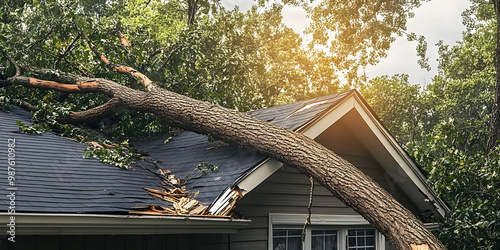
(287, 191)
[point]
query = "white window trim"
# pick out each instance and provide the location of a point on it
(341, 223)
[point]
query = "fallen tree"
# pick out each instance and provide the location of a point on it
(340, 177)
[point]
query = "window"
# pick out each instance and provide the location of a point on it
(287, 239)
(361, 239)
(324, 240)
(326, 232)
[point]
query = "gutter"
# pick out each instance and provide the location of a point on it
(97, 224)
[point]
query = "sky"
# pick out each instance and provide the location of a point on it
(436, 20)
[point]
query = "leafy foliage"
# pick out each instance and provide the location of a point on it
(444, 127)
(120, 155)
(358, 32)
(470, 182)
(399, 105)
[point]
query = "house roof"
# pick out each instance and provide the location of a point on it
(185, 151)
(53, 177)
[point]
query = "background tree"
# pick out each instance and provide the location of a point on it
(399, 105)
(453, 119)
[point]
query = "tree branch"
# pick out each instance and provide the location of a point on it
(18, 69)
(123, 40)
(26, 104)
(16, 65)
(94, 114)
(78, 87)
(71, 63)
(146, 83)
(58, 76)
(70, 47)
(44, 37)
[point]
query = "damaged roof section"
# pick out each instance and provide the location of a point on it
(218, 189)
(53, 177)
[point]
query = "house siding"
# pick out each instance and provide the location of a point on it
(286, 191)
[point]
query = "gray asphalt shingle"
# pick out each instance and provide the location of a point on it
(52, 176)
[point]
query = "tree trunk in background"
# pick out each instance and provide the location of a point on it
(494, 129)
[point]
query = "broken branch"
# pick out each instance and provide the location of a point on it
(123, 40)
(146, 83)
(79, 87)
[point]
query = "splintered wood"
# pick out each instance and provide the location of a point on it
(182, 203)
(181, 200)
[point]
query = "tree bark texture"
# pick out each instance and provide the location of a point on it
(340, 177)
(494, 129)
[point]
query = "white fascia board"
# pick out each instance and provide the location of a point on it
(407, 167)
(405, 163)
(95, 224)
(258, 175)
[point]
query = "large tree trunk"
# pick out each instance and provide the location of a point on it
(494, 129)
(340, 177)
(344, 180)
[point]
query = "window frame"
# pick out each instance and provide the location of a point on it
(341, 223)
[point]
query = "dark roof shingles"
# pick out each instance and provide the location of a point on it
(52, 176)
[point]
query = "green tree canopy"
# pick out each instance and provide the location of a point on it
(444, 127)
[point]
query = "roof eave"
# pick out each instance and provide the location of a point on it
(97, 224)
